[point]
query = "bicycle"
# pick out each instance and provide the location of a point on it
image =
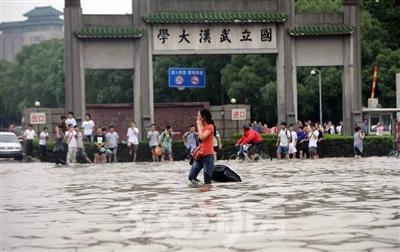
(395, 152)
(244, 154)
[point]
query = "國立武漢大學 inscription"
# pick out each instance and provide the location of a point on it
(203, 37)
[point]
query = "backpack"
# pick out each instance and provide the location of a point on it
(288, 136)
(162, 137)
(320, 135)
(222, 173)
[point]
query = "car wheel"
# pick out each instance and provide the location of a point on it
(18, 158)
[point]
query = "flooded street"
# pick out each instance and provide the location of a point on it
(341, 204)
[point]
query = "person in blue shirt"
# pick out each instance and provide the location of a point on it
(190, 140)
(302, 142)
(165, 141)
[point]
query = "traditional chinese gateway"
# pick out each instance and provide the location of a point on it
(159, 27)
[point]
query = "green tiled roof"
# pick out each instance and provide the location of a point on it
(215, 17)
(32, 22)
(109, 32)
(321, 30)
(39, 16)
(43, 11)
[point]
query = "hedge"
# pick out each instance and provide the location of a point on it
(331, 146)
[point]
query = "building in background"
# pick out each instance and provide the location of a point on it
(43, 23)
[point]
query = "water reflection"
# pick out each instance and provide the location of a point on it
(327, 205)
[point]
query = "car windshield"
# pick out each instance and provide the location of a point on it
(8, 139)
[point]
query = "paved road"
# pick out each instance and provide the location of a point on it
(339, 204)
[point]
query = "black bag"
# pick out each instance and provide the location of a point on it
(223, 173)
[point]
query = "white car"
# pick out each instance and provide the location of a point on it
(10, 147)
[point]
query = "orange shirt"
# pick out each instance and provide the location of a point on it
(206, 145)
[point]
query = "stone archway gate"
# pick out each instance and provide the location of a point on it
(158, 27)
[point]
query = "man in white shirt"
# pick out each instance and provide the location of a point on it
(70, 119)
(80, 150)
(339, 128)
(293, 142)
(313, 134)
(70, 135)
(133, 141)
(283, 142)
(88, 126)
(43, 137)
(29, 136)
(112, 140)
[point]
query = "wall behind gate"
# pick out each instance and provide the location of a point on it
(179, 115)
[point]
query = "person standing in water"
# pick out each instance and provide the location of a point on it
(165, 140)
(152, 137)
(190, 140)
(359, 136)
(206, 131)
(133, 140)
(58, 148)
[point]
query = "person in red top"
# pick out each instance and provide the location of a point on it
(251, 139)
(206, 131)
(398, 135)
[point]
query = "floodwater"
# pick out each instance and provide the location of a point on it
(341, 204)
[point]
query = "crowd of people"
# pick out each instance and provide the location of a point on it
(326, 128)
(301, 140)
(106, 140)
(202, 141)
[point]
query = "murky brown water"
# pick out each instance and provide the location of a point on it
(326, 205)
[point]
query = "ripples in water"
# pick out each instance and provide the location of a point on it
(324, 205)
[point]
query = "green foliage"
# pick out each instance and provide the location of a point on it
(376, 51)
(318, 5)
(8, 113)
(251, 79)
(109, 86)
(386, 13)
(37, 74)
(308, 94)
(342, 146)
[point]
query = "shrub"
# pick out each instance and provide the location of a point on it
(331, 146)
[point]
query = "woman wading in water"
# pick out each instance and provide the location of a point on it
(204, 154)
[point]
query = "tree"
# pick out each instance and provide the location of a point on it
(212, 91)
(318, 5)
(308, 94)
(8, 114)
(109, 86)
(37, 74)
(247, 77)
(376, 50)
(387, 13)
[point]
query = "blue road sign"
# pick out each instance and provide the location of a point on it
(186, 77)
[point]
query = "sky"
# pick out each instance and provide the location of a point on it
(13, 10)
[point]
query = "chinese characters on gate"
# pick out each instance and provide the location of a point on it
(257, 36)
(265, 35)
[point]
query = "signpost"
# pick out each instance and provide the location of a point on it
(186, 77)
(238, 114)
(38, 118)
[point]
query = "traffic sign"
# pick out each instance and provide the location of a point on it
(186, 77)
